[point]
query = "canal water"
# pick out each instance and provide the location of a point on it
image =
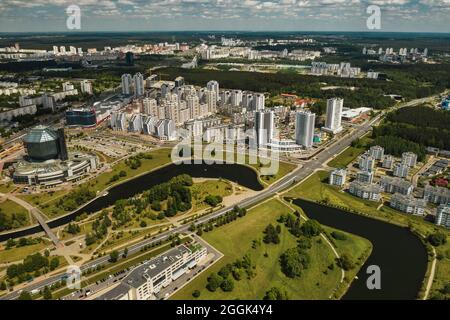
(240, 174)
(400, 254)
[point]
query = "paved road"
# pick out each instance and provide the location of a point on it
(288, 180)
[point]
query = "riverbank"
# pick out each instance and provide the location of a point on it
(314, 189)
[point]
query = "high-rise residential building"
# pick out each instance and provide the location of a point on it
(337, 177)
(366, 162)
(55, 50)
(80, 51)
(165, 129)
(72, 50)
(377, 152)
(401, 170)
(265, 127)
(259, 101)
(225, 98)
(193, 104)
(236, 98)
(86, 87)
(409, 159)
(135, 123)
(304, 128)
(388, 161)
(443, 216)
(165, 89)
(126, 84)
(213, 86)
(179, 82)
(247, 101)
(67, 86)
(118, 121)
(138, 84)
(211, 101)
(150, 106)
(334, 115)
(62, 50)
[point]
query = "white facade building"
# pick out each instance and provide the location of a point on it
(337, 177)
(443, 216)
(334, 115)
(304, 128)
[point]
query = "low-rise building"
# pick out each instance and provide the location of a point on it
(443, 216)
(437, 195)
(366, 191)
(337, 177)
(364, 176)
(396, 185)
(54, 172)
(146, 281)
(408, 204)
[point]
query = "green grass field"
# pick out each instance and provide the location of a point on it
(10, 208)
(314, 188)
(16, 254)
(209, 187)
(235, 240)
(349, 154)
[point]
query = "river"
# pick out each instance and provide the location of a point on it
(400, 254)
(243, 175)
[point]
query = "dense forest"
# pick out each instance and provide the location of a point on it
(11, 220)
(422, 125)
(396, 146)
(370, 93)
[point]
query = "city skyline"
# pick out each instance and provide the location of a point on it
(226, 15)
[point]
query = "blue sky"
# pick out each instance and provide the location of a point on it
(252, 15)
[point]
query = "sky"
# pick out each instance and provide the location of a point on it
(243, 15)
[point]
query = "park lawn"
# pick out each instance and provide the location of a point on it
(6, 187)
(235, 240)
(159, 157)
(283, 169)
(16, 254)
(10, 208)
(349, 154)
(216, 187)
(314, 188)
(41, 199)
(85, 228)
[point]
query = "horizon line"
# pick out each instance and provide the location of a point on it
(214, 31)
